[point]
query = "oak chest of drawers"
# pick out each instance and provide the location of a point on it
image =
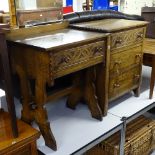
(126, 53)
(126, 61)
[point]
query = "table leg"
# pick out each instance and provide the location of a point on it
(41, 118)
(152, 78)
(84, 88)
(40, 114)
(37, 112)
(102, 80)
(26, 109)
(90, 94)
(138, 79)
(77, 91)
(137, 92)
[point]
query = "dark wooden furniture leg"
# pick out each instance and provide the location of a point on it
(137, 90)
(40, 113)
(152, 78)
(26, 111)
(90, 94)
(102, 87)
(76, 94)
(36, 111)
(8, 83)
(84, 88)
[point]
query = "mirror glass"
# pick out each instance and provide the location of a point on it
(30, 12)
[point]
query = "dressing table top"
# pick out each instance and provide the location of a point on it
(56, 39)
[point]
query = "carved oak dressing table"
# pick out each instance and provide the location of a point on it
(49, 52)
(126, 54)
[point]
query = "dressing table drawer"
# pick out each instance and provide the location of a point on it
(72, 59)
(127, 38)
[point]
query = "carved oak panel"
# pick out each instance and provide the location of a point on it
(81, 56)
(127, 38)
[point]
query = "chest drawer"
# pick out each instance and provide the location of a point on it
(120, 61)
(124, 82)
(127, 38)
(79, 57)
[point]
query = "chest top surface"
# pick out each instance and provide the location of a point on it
(110, 25)
(59, 38)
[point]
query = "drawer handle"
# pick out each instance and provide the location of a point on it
(137, 76)
(138, 55)
(98, 50)
(117, 66)
(118, 62)
(118, 41)
(140, 35)
(138, 58)
(66, 59)
(116, 85)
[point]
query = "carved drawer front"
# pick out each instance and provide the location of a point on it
(83, 56)
(120, 61)
(124, 82)
(127, 38)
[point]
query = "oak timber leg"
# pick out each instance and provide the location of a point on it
(90, 94)
(84, 88)
(77, 91)
(40, 114)
(137, 91)
(102, 81)
(138, 79)
(24, 84)
(44, 126)
(152, 78)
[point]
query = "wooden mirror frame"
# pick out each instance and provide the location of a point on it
(12, 10)
(13, 14)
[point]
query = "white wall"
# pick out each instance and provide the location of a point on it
(134, 6)
(77, 4)
(27, 4)
(4, 5)
(64, 2)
